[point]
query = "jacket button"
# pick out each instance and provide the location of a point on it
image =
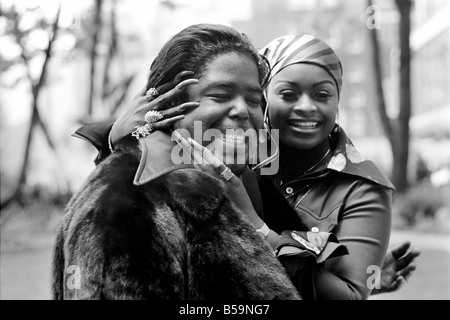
(314, 229)
(289, 190)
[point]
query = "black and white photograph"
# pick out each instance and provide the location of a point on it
(224, 154)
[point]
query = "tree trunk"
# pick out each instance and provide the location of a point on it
(112, 50)
(381, 104)
(35, 118)
(396, 130)
(400, 169)
(93, 57)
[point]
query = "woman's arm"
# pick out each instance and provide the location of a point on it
(364, 228)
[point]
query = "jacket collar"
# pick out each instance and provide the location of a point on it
(156, 159)
(347, 159)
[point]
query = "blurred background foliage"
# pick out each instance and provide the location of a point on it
(68, 63)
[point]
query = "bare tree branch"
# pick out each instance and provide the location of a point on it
(386, 122)
(35, 118)
(397, 130)
(400, 172)
(107, 86)
(93, 58)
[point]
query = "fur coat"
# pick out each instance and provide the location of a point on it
(176, 237)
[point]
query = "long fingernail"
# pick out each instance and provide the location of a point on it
(177, 136)
(186, 83)
(176, 118)
(183, 74)
(180, 139)
(191, 141)
(191, 105)
(262, 137)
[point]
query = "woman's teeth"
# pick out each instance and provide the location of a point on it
(306, 125)
(231, 138)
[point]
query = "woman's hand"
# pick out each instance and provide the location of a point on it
(398, 266)
(205, 160)
(134, 116)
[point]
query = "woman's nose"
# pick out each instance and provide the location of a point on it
(305, 104)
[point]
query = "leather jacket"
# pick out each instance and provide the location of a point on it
(347, 196)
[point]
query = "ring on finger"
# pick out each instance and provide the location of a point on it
(226, 174)
(152, 116)
(142, 131)
(152, 93)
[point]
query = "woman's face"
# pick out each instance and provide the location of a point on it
(303, 102)
(230, 97)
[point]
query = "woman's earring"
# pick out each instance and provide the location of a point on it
(266, 113)
(337, 126)
(336, 129)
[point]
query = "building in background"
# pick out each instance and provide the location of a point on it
(430, 121)
(430, 44)
(430, 78)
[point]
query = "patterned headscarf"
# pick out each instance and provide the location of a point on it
(292, 49)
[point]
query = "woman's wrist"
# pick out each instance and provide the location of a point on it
(264, 231)
(269, 235)
(274, 239)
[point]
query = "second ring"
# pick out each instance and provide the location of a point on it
(152, 116)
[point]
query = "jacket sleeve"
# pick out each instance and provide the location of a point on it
(364, 228)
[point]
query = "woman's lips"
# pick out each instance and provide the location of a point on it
(305, 124)
(233, 138)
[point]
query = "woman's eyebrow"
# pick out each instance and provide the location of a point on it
(292, 83)
(295, 84)
(318, 83)
(231, 85)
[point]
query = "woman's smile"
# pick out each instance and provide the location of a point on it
(303, 125)
(229, 94)
(233, 139)
(303, 102)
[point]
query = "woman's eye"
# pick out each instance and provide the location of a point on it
(254, 101)
(323, 94)
(219, 97)
(288, 95)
